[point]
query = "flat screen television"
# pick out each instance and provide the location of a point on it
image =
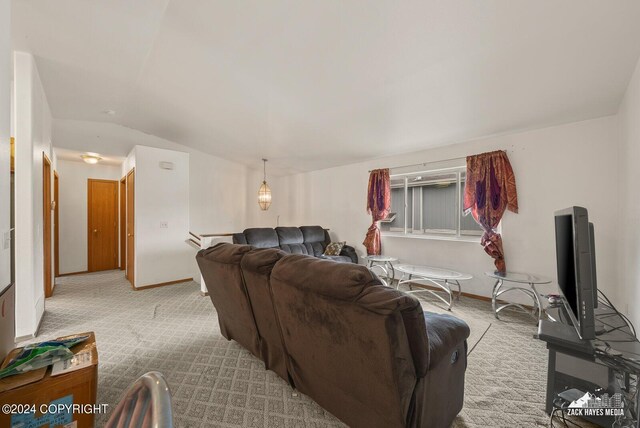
(575, 254)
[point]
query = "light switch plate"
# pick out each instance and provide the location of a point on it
(164, 225)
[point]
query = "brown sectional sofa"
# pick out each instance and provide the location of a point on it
(365, 352)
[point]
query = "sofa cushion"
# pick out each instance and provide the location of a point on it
(289, 235)
(295, 249)
(339, 259)
(445, 332)
(314, 248)
(315, 239)
(346, 339)
(261, 237)
(256, 267)
(291, 240)
(220, 267)
(313, 234)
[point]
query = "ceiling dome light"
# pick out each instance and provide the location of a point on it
(91, 158)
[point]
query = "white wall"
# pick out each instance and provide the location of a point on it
(217, 187)
(555, 167)
(281, 208)
(5, 119)
(161, 196)
(629, 202)
(7, 319)
(33, 138)
(73, 176)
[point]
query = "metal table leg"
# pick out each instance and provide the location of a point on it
(459, 293)
(444, 288)
(496, 288)
(393, 271)
(531, 292)
(538, 301)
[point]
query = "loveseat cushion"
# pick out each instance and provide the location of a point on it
(445, 332)
(261, 237)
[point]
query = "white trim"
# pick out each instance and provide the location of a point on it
(428, 171)
(463, 238)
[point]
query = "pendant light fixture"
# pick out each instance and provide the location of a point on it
(264, 193)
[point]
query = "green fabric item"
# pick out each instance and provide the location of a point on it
(40, 355)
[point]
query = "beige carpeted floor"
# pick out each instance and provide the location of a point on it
(216, 383)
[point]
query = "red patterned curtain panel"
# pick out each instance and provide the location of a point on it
(490, 189)
(378, 205)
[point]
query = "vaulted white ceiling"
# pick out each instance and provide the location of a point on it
(312, 84)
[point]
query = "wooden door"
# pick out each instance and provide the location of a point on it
(56, 225)
(123, 223)
(102, 224)
(46, 226)
(130, 226)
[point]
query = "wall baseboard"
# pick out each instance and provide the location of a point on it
(72, 273)
(30, 336)
(23, 338)
(162, 284)
(39, 325)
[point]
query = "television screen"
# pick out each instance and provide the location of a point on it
(565, 259)
(575, 256)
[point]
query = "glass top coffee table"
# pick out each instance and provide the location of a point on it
(384, 263)
(426, 277)
(518, 278)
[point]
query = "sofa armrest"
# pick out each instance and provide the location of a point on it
(445, 333)
(239, 238)
(350, 252)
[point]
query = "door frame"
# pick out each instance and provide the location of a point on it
(89, 212)
(46, 227)
(130, 267)
(123, 222)
(56, 224)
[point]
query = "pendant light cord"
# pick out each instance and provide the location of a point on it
(264, 165)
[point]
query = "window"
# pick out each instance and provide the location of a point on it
(430, 203)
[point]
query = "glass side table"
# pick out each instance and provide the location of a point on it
(521, 279)
(425, 277)
(384, 263)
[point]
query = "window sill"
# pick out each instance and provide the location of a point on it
(473, 239)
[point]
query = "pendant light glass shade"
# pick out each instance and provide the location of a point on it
(264, 193)
(264, 196)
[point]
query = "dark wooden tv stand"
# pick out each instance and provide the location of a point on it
(590, 365)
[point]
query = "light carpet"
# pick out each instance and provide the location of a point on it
(217, 383)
